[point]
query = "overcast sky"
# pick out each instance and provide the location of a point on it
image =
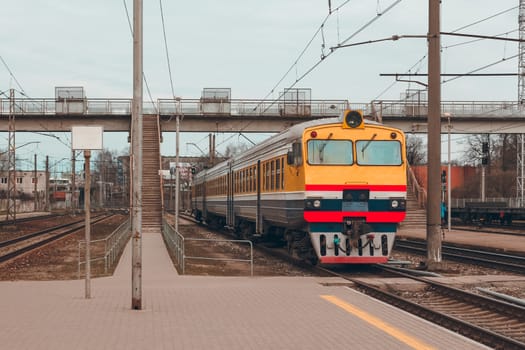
(249, 45)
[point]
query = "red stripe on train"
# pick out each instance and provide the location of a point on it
(397, 188)
(353, 260)
(337, 216)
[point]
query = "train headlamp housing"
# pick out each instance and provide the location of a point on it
(353, 119)
(398, 204)
(312, 203)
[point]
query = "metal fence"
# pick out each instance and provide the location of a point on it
(177, 243)
(509, 202)
(249, 107)
(113, 246)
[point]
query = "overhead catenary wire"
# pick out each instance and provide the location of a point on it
(389, 87)
(11, 73)
(166, 48)
(323, 57)
(301, 54)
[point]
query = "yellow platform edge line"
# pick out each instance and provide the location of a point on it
(378, 323)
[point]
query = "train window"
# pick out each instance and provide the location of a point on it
(242, 181)
(267, 177)
(272, 175)
(295, 157)
(278, 174)
(334, 152)
(254, 179)
(370, 152)
(250, 179)
(263, 177)
(282, 173)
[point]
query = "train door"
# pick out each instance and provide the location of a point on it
(230, 216)
(258, 214)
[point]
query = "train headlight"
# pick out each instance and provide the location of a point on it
(312, 203)
(398, 204)
(353, 119)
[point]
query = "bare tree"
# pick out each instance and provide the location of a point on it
(416, 153)
(233, 149)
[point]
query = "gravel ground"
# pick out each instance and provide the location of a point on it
(59, 260)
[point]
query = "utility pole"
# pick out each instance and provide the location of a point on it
(87, 211)
(35, 183)
(520, 149)
(11, 175)
(177, 165)
(73, 182)
(434, 138)
(136, 155)
(46, 201)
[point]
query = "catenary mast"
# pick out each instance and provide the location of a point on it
(520, 151)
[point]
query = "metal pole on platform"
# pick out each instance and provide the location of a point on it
(449, 179)
(177, 172)
(136, 149)
(35, 185)
(434, 137)
(87, 210)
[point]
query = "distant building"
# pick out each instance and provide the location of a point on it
(25, 182)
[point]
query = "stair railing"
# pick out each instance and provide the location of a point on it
(160, 166)
(419, 191)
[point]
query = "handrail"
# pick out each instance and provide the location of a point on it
(253, 107)
(113, 246)
(159, 135)
(419, 191)
(177, 244)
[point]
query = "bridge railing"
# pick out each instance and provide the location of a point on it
(252, 107)
(99, 106)
(453, 108)
(243, 107)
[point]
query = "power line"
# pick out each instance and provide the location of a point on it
(459, 44)
(166, 47)
(485, 19)
(11, 73)
(323, 57)
(301, 54)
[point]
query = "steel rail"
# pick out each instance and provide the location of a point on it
(25, 249)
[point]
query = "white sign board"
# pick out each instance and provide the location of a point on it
(87, 137)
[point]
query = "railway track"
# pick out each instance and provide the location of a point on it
(506, 262)
(514, 230)
(29, 219)
(495, 323)
(13, 248)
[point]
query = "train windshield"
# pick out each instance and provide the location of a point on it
(371, 152)
(335, 152)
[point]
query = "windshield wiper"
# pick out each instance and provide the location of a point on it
(368, 144)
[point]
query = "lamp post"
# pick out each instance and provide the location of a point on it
(177, 165)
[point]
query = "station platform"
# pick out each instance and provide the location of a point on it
(199, 312)
(492, 241)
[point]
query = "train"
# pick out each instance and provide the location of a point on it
(331, 190)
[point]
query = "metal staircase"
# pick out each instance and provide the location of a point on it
(151, 180)
(416, 215)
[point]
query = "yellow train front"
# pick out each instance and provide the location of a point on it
(355, 189)
(333, 190)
